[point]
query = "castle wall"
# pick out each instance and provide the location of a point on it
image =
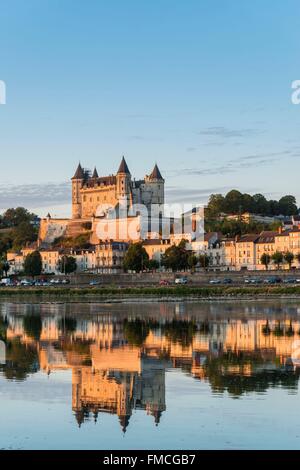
(128, 229)
(92, 198)
(51, 229)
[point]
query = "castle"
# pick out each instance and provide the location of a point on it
(94, 197)
(89, 192)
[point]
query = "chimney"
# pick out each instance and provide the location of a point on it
(280, 229)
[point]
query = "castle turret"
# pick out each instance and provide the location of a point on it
(77, 182)
(157, 185)
(124, 183)
(95, 173)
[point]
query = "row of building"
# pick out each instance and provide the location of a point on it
(222, 253)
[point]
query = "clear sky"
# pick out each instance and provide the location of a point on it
(202, 87)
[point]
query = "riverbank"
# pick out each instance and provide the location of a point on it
(112, 293)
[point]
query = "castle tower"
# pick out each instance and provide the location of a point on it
(77, 182)
(157, 183)
(95, 174)
(124, 195)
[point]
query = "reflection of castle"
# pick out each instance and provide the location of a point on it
(119, 392)
(118, 362)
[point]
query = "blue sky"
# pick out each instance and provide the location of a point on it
(203, 87)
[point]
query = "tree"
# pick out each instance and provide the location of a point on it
(136, 258)
(277, 258)
(265, 259)
(4, 267)
(153, 265)
(5, 243)
(176, 257)
(67, 264)
(287, 205)
(216, 204)
(298, 257)
(14, 217)
(192, 261)
(33, 264)
(233, 202)
(260, 204)
(23, 234)
(289, 258)
(204, 260)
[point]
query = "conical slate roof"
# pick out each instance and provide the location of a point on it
(95, 174)
(156, 174)
(79, 174)
(123, 168)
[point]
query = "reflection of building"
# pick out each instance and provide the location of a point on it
(119, 361)
(118, 391)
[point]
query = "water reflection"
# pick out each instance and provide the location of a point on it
(119, 354)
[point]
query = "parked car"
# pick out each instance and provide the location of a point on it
(26, 283)
(7, 282)
(227, 280)
(95, 283)
(253, 280)
(215, 281)
(272, 280)
(181, 280)
(164, 282)
(290, 280)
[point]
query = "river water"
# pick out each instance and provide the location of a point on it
(219, 375)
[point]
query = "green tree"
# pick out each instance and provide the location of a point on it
(287, 205)
(136, 258)
(204, 260)
(33, 264)
(277, 258)
(260, 204)
(289, 258)
(216, 204)
(23, 234)
(233, 203)
(14, 217)
(153, 265)
(67, 264)
(4, 267)
(192, 261)
(6, 242)
(176, 257)
(265, 259)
